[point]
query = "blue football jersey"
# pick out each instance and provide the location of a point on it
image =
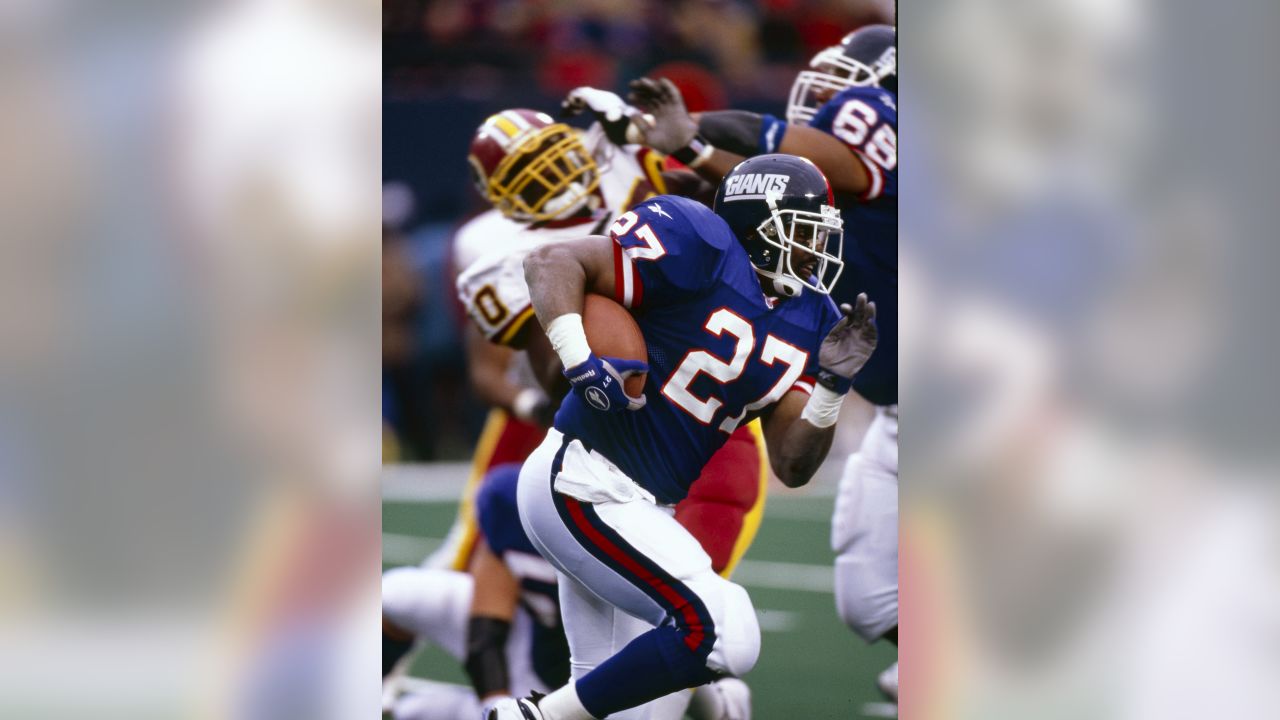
(866, 120)
(719, 350)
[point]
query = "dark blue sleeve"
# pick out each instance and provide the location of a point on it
(772, 130)
(496, 511)
(866, 121)
(667, 249)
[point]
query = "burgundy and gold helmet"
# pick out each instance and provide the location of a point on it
(532, 168)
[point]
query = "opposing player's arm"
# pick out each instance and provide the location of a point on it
(487, 366)
(796, 446)
(547, 369)
(689, 184)
(493, 606)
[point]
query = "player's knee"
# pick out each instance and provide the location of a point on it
(869, 612)
(737, 643)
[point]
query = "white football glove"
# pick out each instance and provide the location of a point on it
(610, 110)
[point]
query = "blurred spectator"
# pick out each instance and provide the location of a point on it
(401, 301)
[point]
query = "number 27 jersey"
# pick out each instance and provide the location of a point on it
(719, 351)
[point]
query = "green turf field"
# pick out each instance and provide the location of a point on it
(811, 665)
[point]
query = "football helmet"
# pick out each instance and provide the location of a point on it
(532, 168)
(865, 57)
(780, 208)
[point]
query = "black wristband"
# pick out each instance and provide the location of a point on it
(692, 154)
(486, 663)
(835, 383)
(737, 131)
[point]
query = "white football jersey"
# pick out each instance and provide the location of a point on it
(491, 286)
(487, 232)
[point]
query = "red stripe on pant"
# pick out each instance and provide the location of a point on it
(694, 639)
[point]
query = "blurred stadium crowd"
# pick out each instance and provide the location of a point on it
(448, 64)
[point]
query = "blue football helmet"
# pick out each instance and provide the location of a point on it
(780, 208)
(867, 57)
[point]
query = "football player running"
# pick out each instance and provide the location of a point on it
(734, 309)
(562, 184)
(549, 182)
(842, 114)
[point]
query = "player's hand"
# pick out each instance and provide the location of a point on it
(598, 381)
(847, 347)
(613, 114)
(667, 127)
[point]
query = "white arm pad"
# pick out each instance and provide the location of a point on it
(823, 408)
(569, 339)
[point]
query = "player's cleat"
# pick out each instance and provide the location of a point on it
(517, 709)
(888, 682)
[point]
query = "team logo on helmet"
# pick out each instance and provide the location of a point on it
(532, 168)
(779, 207)
(753, 186)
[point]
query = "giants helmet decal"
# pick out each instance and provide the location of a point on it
(865, 57)
(531, 168)
(780, 208)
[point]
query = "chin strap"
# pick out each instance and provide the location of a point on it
(787, 287)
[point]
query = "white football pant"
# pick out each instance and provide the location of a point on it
(604, 609)
(435, 605)
(864, 531)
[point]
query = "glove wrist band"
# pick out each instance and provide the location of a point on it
(569, 339)
(697, 152)
(837, 384)
(823, 408)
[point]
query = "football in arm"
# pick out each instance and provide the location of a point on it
(612, 332)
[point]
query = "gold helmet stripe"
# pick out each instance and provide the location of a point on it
(508, 130)
(514, 117)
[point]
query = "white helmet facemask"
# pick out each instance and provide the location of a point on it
(808, 246)
(830, 72)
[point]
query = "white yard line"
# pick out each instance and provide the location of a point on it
(880, 710)
(411, 549)
(424, 483)
(785, 576)
(443, 482)
(778, 621)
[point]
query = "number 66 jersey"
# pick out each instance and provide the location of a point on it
(719, 350)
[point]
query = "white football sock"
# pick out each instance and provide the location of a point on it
(563, 704)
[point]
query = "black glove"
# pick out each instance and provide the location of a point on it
(667, 127)
(848, 346)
